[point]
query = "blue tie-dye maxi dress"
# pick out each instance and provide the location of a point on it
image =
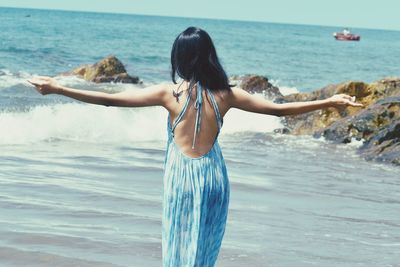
(196, 198)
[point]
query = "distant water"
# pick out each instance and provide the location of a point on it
(81, 185)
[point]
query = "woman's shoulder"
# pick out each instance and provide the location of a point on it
(168, 87)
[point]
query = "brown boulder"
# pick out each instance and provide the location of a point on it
(109, 69)
(377, 124)
(364, 125)
(367, 94)
(385, 145)
(256, 84)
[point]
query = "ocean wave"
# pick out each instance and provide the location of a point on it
(73, 121)
(285, 90)
(81, 122)
(240, 121)
(95, 124)
(10, 79)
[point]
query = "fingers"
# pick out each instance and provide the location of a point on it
(348, 97)
(39, 80)
(347, 100)
(351, 100)
(353, 104)
(35, 82)
(46, 78)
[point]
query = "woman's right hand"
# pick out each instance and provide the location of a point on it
(45, 85)
(340, 100)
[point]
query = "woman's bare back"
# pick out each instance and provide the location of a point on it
(184, 131)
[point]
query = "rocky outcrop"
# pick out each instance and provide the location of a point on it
(366, 94)
(385, 145)
(377, 123)
(109, 69)
(378, 126)
(256, 84)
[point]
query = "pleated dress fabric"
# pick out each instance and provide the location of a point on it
(196, 198)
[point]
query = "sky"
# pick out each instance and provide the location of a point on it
(382, 14)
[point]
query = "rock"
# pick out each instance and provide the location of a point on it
(385, 145)
(377, 124)
(283, 130)
(365, 124)
(109, 69)
(367, 94)
(256, 84)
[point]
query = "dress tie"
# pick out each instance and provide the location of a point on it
(198, 106)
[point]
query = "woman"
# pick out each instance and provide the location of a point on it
(196, 185)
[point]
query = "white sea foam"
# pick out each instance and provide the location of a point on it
(9, 79)
(355, 143)
(237, 120)
(240, 121)
(288, 90)
(84, 122)
(285, 90)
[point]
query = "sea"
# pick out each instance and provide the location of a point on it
(81, 184)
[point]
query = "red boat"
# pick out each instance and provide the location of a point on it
(346, 37)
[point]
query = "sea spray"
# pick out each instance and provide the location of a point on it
(93, 123)
(76, 121)
(82, 122)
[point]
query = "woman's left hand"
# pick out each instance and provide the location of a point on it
(45, 85)
(340, 100)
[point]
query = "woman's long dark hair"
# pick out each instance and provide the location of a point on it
(194, 59)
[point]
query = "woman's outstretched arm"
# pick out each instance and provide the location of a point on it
(151, 96)
(243, 100)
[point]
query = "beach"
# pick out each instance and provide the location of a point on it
(81, 185)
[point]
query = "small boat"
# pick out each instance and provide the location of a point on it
(346, 37)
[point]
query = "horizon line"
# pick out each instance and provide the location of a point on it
(205, 18)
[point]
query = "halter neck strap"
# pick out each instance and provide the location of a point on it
(180, 116)
(198, 104)
(216, 110)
